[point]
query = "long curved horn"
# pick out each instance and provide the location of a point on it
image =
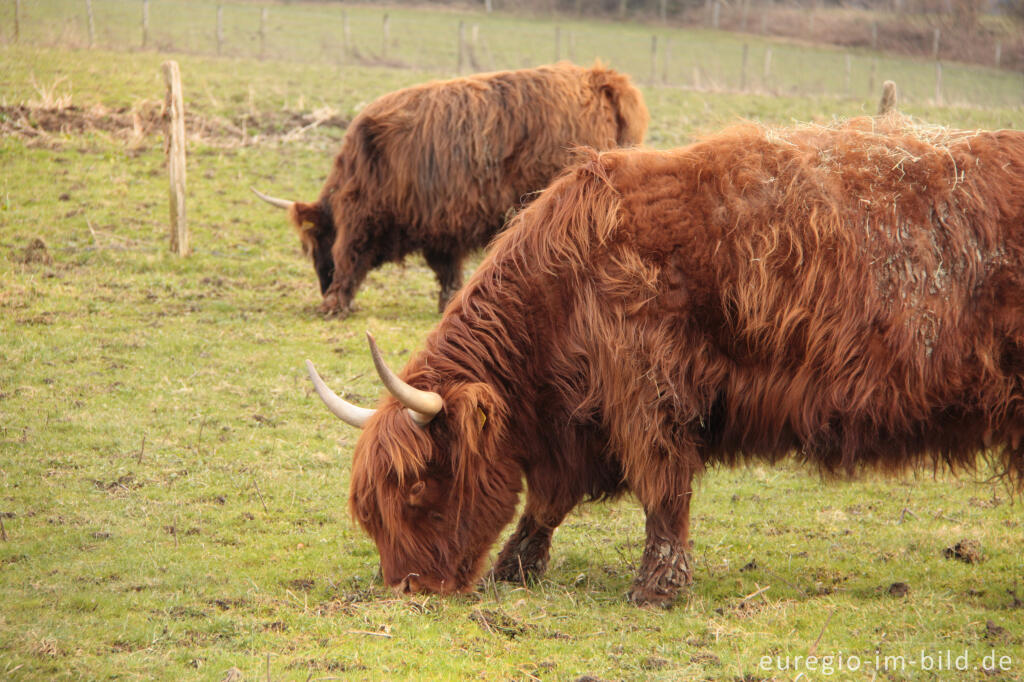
(353, 415)
(422, 405)
(273, 201)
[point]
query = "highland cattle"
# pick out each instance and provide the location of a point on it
(437, 168)
(850, 295)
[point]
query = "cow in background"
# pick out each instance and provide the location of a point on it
(436, 168)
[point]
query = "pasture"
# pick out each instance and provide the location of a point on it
(173, 496)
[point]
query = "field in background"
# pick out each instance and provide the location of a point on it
(173, 496)
(428, 40)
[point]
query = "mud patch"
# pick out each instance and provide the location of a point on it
(496, 622)
(967, 551)
(35, 253)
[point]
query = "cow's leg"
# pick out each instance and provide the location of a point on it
(665, 566)
(448, 268)
(525, 555)
(349, 272)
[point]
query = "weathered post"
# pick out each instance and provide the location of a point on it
(744, 12)
(145, 23)
(874, 35)
(572, 47)
(488, 6)
(888, 102)
(938, 83)
(999, 53)
(346, 35)
(460, 49)
(666, 60)
(386, 30)
(848, 76)
(873, 76)
(654, 59)
(175, 148)
(220, 29)
(743, 67)
(935, 42)
(92, 25)
(263, 33)
(663, 10)
(716, 11)
(558, 43)
(767, 74)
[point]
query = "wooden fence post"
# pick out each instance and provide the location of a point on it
(488, 6)
(654, 59)
(558, 43)
(220, 29)
(666, 60)
(572, 46)
(346, 35)
(873, 76)
(460, 48)
(263, 33)
(92, 25)
(938, 83)
(175, 147)
(999, 53)
(716, 11)
(888, 102)
(874, 35)
(848, 75)
(145, 23)
(745, 11)
(386, 35)
(743, 67)
(663, 10)
(766, 76)
(935, 42)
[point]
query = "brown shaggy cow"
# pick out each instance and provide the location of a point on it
(852, 295)
(436, 167)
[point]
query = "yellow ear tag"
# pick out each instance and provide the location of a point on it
(483, 417)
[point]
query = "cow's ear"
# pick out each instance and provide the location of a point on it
(417, 494)
(306, 220)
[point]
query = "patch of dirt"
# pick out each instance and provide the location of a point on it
(135, 125)
(967, 551)
(899, 589)
(35, 253)
(497, 622)
(123, 484)
(302, 584)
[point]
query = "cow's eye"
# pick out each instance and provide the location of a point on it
(436, 516)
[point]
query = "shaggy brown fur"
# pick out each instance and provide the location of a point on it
(852, 295)
(435, 168)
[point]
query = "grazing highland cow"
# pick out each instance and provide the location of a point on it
(852, 295)
(435, 168)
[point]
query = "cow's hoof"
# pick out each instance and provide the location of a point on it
(334, 312)
(512, 571)
(647, 595)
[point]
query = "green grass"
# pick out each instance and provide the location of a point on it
(173, 495)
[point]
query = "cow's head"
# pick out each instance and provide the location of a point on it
(316, 229)
(427, 483)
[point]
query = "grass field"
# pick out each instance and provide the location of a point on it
(173, 496)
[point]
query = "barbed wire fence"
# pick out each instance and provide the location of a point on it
(446, 43)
